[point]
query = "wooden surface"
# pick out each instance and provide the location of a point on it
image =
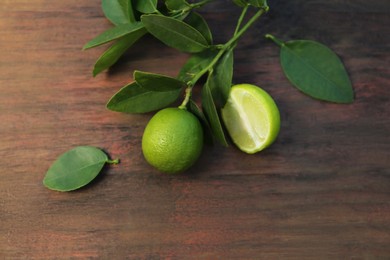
(320, 192)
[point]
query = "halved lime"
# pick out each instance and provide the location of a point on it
(251, 118)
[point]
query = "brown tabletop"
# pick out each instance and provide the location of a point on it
(321, 191)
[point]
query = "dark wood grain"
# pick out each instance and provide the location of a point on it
(320, 192)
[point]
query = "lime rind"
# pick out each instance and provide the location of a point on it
(173, 140)
(251, 117)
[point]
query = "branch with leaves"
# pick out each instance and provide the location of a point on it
(311, 67)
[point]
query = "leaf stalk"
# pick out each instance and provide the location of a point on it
(223, 48)
(240, 20)
(240, 32)
(187, 97)
(116, 161)
(274, 39)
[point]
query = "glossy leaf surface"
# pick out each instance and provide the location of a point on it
(146, 6)
(193, 108)
(112, 54)
(199, 23)
(135, 99)
(75, 168)
(220, 81)
(196, 63)
(113, 34)
(176, 4)
(212, 115)
(118, 11)
(316, 70)
(175, 33)
(157, 82)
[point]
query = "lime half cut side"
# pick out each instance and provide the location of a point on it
(251, 118)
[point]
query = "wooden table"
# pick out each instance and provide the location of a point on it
(320, 192)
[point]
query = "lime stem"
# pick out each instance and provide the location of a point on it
(116, 161)
(189, 8)
(240, 20)
(274, 39)
(240, 32)
(186, 98)
(223, 48)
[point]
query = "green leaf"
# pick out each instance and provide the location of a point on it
(75, 168)
(176, 4)
(241, 3)
(175, 33)
(212, 115)
(112, 54)
(146, 6)
(196, 63)
(258, 3)
(316, 70)
(113, 34)
(157, 82)
(135, 99)
(255, 3)
(118, 11)
(199, 23)
(193, 108)
(220, 81)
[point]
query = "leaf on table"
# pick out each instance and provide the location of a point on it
(175, 33)
(112, 54)
(118, 11)
(199, 23)
(316, 70)
(133, 98)
(212, 115)
(75, 168)
(113, 34)
(146, 6)
(157, 82)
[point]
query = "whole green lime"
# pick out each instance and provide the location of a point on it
(172, 140)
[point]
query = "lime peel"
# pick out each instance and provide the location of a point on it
(172, 140)
(251, 118)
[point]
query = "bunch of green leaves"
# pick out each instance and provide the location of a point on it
(132, 19)
(310, 66)
(177, 24)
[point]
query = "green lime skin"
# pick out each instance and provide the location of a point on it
(251, 117)
(173, 140)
